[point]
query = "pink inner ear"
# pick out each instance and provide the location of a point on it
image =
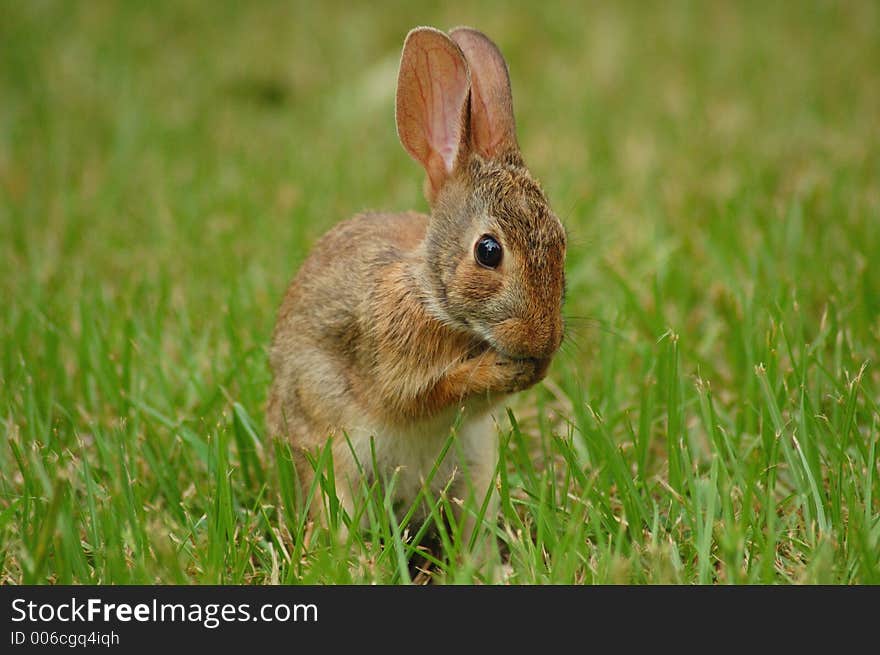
(432, 92)
(446, 74)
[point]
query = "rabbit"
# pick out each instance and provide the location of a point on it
(403, 328)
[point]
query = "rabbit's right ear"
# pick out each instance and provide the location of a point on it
(433, 87)
(492, 128)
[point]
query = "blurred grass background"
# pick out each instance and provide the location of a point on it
(165, 166)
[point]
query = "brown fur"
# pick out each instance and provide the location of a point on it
(391, 327)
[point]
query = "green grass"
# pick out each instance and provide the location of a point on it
(714, 415)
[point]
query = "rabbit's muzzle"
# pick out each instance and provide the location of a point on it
(535, 338)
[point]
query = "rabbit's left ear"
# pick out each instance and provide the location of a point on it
(492, 128)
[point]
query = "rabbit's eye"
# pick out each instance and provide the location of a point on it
(487, 252)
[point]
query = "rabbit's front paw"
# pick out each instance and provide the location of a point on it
(518, 374)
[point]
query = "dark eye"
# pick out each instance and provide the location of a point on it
(487, 252)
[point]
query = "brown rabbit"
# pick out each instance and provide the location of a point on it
(399, 327)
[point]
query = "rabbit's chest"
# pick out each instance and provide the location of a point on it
(411, 456)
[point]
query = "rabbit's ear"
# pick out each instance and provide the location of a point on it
(432, 97)
(492, 128)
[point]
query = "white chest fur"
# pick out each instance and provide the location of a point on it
(406, 457)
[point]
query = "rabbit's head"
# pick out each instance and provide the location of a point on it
(494, 250)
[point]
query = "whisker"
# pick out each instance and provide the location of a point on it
(448, 368)
(600, 324)
(579, 242)
(567, 354)
(481, 356)
(572, 349)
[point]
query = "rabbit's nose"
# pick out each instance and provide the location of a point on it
(537, 337)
